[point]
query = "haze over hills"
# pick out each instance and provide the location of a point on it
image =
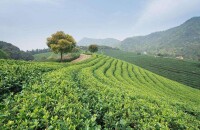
(183, 40)
(105, 42)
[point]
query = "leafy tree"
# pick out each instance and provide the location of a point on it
(93, 48)
(60, 42)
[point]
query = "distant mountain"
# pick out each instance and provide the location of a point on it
(9, 51)
(105, 42)
(183, 40)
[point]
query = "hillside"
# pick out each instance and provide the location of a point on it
(51, 56)
(99, 93)
(3, 55)
(7, 50)
(183, 40)
(182, 71)
(101, 42)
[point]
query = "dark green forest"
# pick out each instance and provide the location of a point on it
(9, 51)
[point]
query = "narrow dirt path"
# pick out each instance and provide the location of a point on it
(81, 58)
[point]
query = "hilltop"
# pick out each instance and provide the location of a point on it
(183, 40)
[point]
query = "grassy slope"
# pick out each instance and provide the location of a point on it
(102, 92)
(50, 56)
(46, 55)
(185, 72)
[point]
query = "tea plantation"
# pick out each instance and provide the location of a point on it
(99, 93)
(183, 71)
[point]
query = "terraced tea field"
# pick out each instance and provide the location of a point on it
(183, 71)
(100, 93)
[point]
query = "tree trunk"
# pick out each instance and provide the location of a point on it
(61, 56)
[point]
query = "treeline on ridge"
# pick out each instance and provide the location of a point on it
(9, 51)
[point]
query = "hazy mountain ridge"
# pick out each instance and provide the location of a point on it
(181, 40)
(105, 42)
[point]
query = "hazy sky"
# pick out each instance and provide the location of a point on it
(27, 23)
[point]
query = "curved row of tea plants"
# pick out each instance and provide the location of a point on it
(183, 71)
(102, 93)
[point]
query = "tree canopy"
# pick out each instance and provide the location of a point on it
(60, 42)
(93, 48)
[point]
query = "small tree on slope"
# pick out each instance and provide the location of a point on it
(60, 42)
(93, 48)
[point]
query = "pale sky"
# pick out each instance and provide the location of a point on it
(27, 23)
